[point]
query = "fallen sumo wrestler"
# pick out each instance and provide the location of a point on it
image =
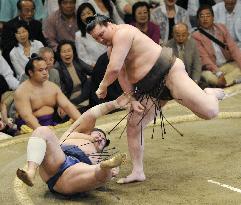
(78, 161)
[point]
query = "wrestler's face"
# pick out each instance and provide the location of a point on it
(66, 54)
(103, 34)
(170, 2)
(205, 19)
(141, 14)
(67, 7)
(87, 12)
(180, 34)
(100, 140)
(27, 10)
(230, 4)
(22, 35)
(40, 73)
(49, 59)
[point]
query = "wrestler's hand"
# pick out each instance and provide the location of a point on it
(137, 106)
(123, 100)
(102, 91)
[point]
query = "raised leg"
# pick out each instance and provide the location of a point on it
(204, 103)
(43, 149)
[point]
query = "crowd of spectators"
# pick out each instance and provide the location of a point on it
(205, 34)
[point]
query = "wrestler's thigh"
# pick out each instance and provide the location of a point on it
(78, 178)
(184, 89)
(54, 155)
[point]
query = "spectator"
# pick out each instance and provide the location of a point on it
(141, 20)
(216, 57)
(36, 98)
(26, 9)
(107, 8)
(166, 16)
(184, 47)
(192, 7)
(125, 7)
(48, 55)
(51, 6)
(228, 13)
(87, 48)
(23, 48)
(73, 74)
(61, 25)
(8, 10)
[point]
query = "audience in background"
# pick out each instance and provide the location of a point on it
(166, 16)
(228, 13)
(36, 98)
(9, 10)
(61, 25)
(192, 6)
(24, 47)
(107, 8)
(26, 9)
(125, 7)
(216, 56)
(141, 20)
(73, 74)
(184, 47)
(50, 6)
(88, 49)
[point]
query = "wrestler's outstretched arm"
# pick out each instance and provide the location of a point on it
(122, 42)
(86, 122)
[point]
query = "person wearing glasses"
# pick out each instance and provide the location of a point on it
(151, 74)
(75, 163)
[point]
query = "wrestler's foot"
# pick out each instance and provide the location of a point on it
(218, 92)
(24, 176)
(115, 161)
(133, 177)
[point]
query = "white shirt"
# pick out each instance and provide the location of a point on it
(192, 7)
(7, 73)
(19, 60)
(88, 49)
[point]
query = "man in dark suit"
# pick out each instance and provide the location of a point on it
(26, 10)
(184, 47)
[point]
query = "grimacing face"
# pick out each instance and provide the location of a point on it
(205, 19)
(102, 34)
(100, 140)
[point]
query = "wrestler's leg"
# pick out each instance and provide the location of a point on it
(82, 177)
(43, 149)
(135, 146)
(204, 103)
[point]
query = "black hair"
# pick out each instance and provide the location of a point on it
(80, 23)
(107, 140)
(30, 65)
(64, 42)
(92, 21)
(137, 5)
(60, 1)
(18, 25)
(203, 7)
(19, 4)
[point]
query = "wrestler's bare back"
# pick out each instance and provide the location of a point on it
(41, 98)
(143, 51)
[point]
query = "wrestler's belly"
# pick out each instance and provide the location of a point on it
(45, 110)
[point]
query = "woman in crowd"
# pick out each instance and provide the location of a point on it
(23, 48)
(107, 8)
(73, 74)
(166, 16)
(141, 20)
(87, 48)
